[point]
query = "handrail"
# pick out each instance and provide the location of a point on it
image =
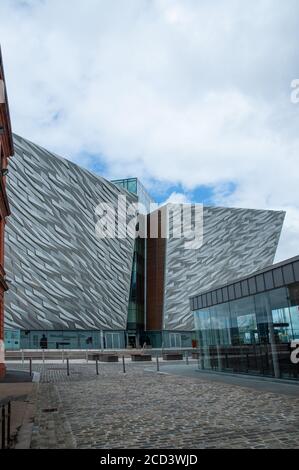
(5, 421)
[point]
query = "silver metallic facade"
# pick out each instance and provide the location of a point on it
(61, 276)
(236, 242)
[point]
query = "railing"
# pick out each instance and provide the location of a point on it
(257, 359)
(5, 421)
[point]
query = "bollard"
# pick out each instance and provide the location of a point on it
(187, 358)
(62, 356)
(43, 357)
(198, 361)
(158, 367)
(68, 366)
(97, 366)
(23, 356)
(86, 355)
(3, 428)
(124, 365)
(30, 366)
(8, 422)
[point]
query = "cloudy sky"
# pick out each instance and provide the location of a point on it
(191, 96)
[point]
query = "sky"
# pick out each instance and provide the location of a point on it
(191, 96)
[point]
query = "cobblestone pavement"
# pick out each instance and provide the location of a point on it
(142, 409)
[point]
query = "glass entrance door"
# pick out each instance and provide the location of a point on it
(112, 340)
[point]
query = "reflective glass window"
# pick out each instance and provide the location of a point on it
(243, 321)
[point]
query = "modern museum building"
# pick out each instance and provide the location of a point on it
(70, 288)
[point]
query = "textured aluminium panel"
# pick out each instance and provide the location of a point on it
(62, 276)
(236, 243)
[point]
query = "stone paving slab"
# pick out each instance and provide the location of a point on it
(143, 409)
(19, 394)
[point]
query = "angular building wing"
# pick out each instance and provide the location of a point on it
(61, 275)
(236, 242)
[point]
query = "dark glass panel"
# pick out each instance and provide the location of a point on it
(260, 284)
(294, 294)
(278, 278)
(231, 293)
(245, 289)
(225, 294)
(296, 270)
(252, 285)
(288, 274)
(269, 284)
(219, 296)
(199, 302)
(238, 291)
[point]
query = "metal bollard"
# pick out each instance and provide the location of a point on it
(124, 365)
(3, 428)
(62, 356)
(187, 358)
(23, 356)
(97, 366)
(68, 366)
(158, 367)
(86, 355)
(43, 353)
(198, 361)
(30, 366)
(8, 422)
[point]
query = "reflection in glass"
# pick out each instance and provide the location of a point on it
(251, 334)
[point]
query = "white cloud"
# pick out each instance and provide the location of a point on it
(188, 93)
(176, 198)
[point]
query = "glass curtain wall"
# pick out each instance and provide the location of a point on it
(135, 324)
(252, 334)
(93, 339)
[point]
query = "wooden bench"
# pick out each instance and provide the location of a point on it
(103, 357)
(172, 356)
(141, 357)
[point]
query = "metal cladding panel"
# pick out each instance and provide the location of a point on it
(62, 276)
(236, 243)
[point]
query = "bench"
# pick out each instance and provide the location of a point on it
(141, 357)
(172, 356)
(103, 357)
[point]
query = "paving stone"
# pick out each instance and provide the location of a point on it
(148, 410)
